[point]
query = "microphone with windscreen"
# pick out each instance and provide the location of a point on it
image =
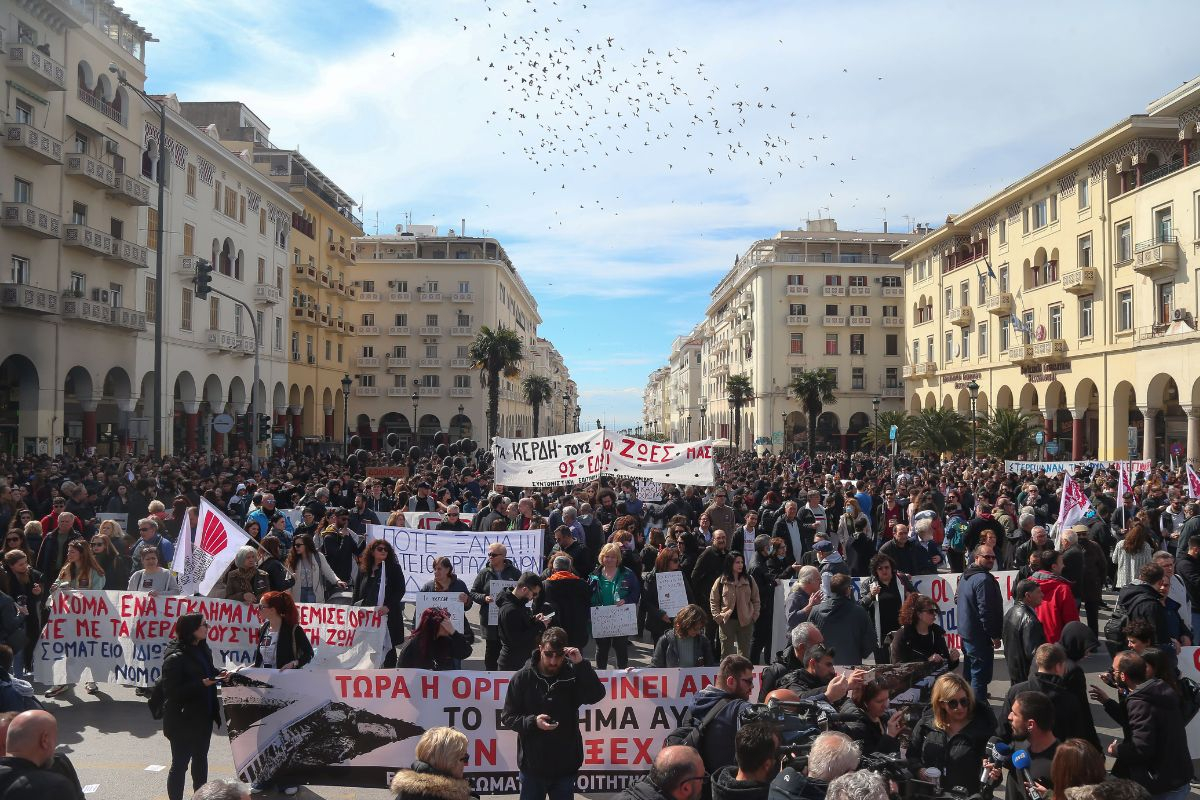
(1021, 762)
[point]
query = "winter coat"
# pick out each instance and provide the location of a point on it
(280, 579)
(859, 551)
(190, 708)
(912, 559)
(17, 695)
(707, 570)
(797, 600)
(423, 782)
(366, 594)
(313, 572)
(518, 631)
(443, 654)
(666, 651)
(846, 628)
(642, 789)
(1142, 601)
(1058, 604)
(481, 589)
(1088, 559)
(726, 786)
(650, 603)
(293, 645)
(785, 661)
(341, 550)
(716, 746)
(957, 756)
(628, 587)
(557, 753)
(26, 779)
(905, 646)
(871, 736)
(12, 625)
(1070, 719)
(1154, 752)
(885, 609)
(1130, 564)
(740, 597)
(572, 600)
(1023, 633)
(980, 608)
(237, 583)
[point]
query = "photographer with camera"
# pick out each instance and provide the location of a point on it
(713, 716)
(819, 679)
(867, 720)
(756, 748)
(832, 755)
(803, 636)
(1031, 722)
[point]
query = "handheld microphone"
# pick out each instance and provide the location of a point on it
(1021, 762)
(997, 753)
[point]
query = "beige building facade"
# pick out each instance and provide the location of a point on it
(1073, 294)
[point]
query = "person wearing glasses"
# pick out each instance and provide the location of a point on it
(437, 772)
(677, 774)
(311, 571)
(380, 584)
(980, 618)
(920, 637)
(735, 680)
(150, 537)
(657, 621)
(498, 568)
(190, 707)
(953, 734)
(453, 520)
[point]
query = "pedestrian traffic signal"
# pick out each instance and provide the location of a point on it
(264, 427)
(203, 279)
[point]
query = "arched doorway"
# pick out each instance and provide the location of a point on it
(397, 423)
(19, 389)
(460, 427)
(428, 429)
(828, 431)
(859, 421)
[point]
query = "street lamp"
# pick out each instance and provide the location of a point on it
(416, 431)
(783, 432)
(461, 433)
(566, 411)
(875, 408)
(160, 289)
(346, 415)
(578, 413)
(703, 429)
(973, 389)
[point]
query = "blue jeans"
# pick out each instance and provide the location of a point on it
(534, 787)
(1175, 794)
(977, 667)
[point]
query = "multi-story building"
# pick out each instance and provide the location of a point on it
(686, 365)
(818, 298)
(322, 259)
(1072, 295)
(422, 298)
(557, 415)
(76, 175)
(656, 400)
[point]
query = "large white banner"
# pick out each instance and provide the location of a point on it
(1055, 467)
(467, 550)
(579, 457)
(120, 637)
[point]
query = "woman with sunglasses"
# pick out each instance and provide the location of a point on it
(111, 560)
(380, 584)
(81, 571)
(310, 570)
(20, 519)
(920, 637)
(15, 539)
(190, 705)
(437, 772)
(452, 521)
(953, 734)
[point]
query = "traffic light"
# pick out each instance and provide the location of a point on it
(203, 279)
(264, 427)
(243, 427)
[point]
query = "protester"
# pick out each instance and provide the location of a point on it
(27, 768)
(310, 571)
(520, 628)
(677, 774)
(657, 621)
(1058, 606)
(1071, 718)
(844, 624)
(866, 719)
(952, 735)
(1132, 553)
(765, 580)
(243, 580)
(571, 599)
(434, 643)
(920, 637)
(437, 771)
(498, 568)
(445, 581)
(724, 701)
(980, 619)
(685, 644)
(24, 585)
(612, 585)
(152, 577)
(804, 596)
(1030, 718)
(735, 605)
(756, 748)
(190, 709)
(883, 594)
(380, 584)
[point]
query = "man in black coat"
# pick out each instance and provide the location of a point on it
(519, 627)
(568, 545)
(705, 573)
(1070, 721)
(983, 521)
(28, 770)
(542, 706)
(677, 774)
(1154, 752)
(1143, 599)
(1085, 564)
(1023, 631)
(1187, 567)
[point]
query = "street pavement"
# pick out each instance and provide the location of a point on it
(116, 745)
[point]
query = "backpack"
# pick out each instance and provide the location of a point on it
(1191, 698)
(157, 700)
(956, 534)
(1114, 639)
(690, 734)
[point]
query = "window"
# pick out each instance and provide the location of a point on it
(1083, 193)
(462, 351)
(891, 377)
(1027, 321)
(22, 191)
(185, 310)
(1085, 317)
(831, 344)
(891, 344)
(295, 346)
(400, 381)
(151, 228)
(431, 286)
(241, 209)
(214, 312)
(982, 291)
(857, 378)
(858, 280)
(965, 344)
(368, 319)
(77, 283)
(20, 269)
(797, 344)
(1002, 229)
(1125, 310)
(831, 309)
(80, 143)
(462, 381)
(278, 341)
(217, 197)
(1164, 302)
(983, 339)
(929, 349)
(948, 352)
(1056, 322)
(339, 352)
(432, 380)
(464, 320)
(964, 294)
(262, 222)
(328, 349)
(795, 280)
(400, 351)
(116, 227)
(1002, 278)
(858, 345)
(797, 309)
(1124, 242)
(78, 214)
(891, 281)
(368, 351)
(916, 351)
(1005, 327)
(191, 180)
(858, 311)
(1162, 225)
(1053, 208)
(366, 380)
(401, 320)
(464, 287)
(833, 376)
(401, 286)
(891, 311)
(279, 278)
(1085, 250)
(948, 300)
(833, 280)
(431, 320)
(431, 351)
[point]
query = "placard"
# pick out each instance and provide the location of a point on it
(648, 491)
(446, 600)
(672, 595)
(1055, 467)
(467, 551)
(497, 588)
(573, 458)
(614, 621)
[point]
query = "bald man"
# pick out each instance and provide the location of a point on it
(27, 771)
(677, 773)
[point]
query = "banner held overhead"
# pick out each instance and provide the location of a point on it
(578, 457)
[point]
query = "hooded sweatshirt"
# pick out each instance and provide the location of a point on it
(726, 786)
(716, 746)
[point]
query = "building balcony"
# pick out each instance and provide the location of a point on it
(399, 330)
(1000, 304)
(461, 391)
(97, 103)
(91, 170)
(338, 324)
(339, 286)
(84, 310)
(1157, 258)
(797, 319)
(369, 297)
(367, 361)
(744, 300)
(429, 391)
(1080, 281)
(858, 291)
(324, 320)
(893, 322)
(338, 253)
(22, 297)
(720, 369)
(366, 391)
(1050, 350)
(304, 314)
(830, 320)
(1020, 353)
(860, 322)
(368, 330)
(961, 316)
(399, 297)
(37, 68)
(33, 142)
(744, 328)
(833, 291)
(306, 272)
(325, 279)
(246, 346)
(187, 266)
(460, 363)
(129, 254)
(918, 370)
(462, 297)
(429, 330)
(398, 391)
(796, 291)
(892, 391)
(30, 219)
(219, 341)
(430, 297)
(429, 363)
(394, 362)
(266, 293)
(462, 330)
(129, 189)
(892, 291)
(96, 242)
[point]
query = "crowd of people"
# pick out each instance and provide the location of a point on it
(839, 539)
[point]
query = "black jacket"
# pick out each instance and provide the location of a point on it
(666, 651)
(846, 628)
(907, 647)
(293, 645)
(642, 789)
(1023, 633)
(707, 570)
(716, 746)
(958, 756)
(1142, 601)
(340, 552)
(1069, 719)
(24, 780)
(481, 590)
(557, 753)
(189, 708)
(440, 657)
(726, 786)
(1188, 569)
(572, 601)
(871, 736)
(281, 579)
(649, 601)
(785, 661)
(518, 631)
(1154, 752)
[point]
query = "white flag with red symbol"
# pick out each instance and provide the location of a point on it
(210, 552)
(1073, 506)
(1193, 482)
(1123, 484)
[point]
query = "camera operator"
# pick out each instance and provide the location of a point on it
(818, 677)
(677, 774)
(861, 785)
(867, 720)
(803, 636)
(1032, 721)
(756, 747)
(833, 754)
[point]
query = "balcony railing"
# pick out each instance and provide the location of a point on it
(860, 322)
(369, 297)
(460, 363)
(462, 297)
(22, 297)
(100, 104)
(222, 341)
(1050, 350)
(461, 330)
(1000, 304)
(919, 370)
(35, 66)
(367, 361)
(33, 142)
(429, 330)
(129, 254)
(399, 330)
(892, 391)
(429, 391)
(368, 330)
(1162, 171)
(1157, 257)
(431, 297)
(1020, 353)
(96, 242)
(92, 170)
(394, 362)
(830, 320)
(85, 310)
(306, 314)
(797, 319)
(960, 316)
(399, 297)
(833, 291)
(130, 189)
(267, 293)
(858, 291)
(32, 220)
(793, 290)
(397, 391)
(366, 391)
(1080, 281)
(429, 363)
(460, 391)
(892, 291)
(893, 322)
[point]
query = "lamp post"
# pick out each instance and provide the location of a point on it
(566, 411)
(578, 413)
(460, 425)
(160, 290)
(875, 408)
(346, 415)
(783, 432)
(690, 427)
(416, 429)
(703, 429)
(973, 389)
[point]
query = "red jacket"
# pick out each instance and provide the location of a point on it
(1058, 604)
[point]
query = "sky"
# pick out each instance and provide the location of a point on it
(624, 180)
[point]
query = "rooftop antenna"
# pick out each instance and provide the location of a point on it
(376, 223)
(908, 218)
(885, 219)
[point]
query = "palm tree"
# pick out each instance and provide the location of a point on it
(876, 436)
(814, 389)
(938, 430)
(740, 392)
(1008, 433)
(536, 389)
(495, 353)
